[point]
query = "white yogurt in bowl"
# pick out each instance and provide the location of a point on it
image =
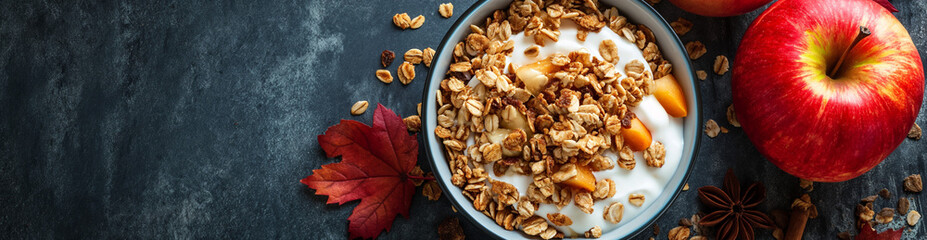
(678, 135)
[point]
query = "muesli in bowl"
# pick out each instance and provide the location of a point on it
(546, 109)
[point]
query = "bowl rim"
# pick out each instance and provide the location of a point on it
(427, 102)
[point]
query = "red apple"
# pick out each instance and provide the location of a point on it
(719, 8)
(811, 120)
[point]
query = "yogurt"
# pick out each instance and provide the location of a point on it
(643, 179)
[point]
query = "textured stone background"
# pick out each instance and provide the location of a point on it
(196, 119)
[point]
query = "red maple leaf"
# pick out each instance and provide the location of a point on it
(887, 5)
(867, 233)
(374, 168)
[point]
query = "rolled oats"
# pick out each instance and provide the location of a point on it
(384, 76)
(913, 218)
(864, 213)
(679, 233)
(913, 183)
(609, 51)
(721, 65)
(626, 158)
(885, 216)
(417, 22)
(681, 26)
(460, 67)
(446, 10)
(504, 193)
(402, 20)
(359, 107)
(594, 232)
(532, 51)
(413, 123)
(604, 189)
(413, 56)
(732, 117)
(534, 225)
(696, 49)
(711, 128)
(636, 199)
(566, 172)
(406, 73)
(427, 55)
(903, 205)
(559, 219)
(584, 201)
(613, 212)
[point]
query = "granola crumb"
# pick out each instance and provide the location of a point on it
(413, 123)
(732, 117)
(885, 216)
(446, 10)
(431, 190)
(685, 187)
(559, 219)
(384, 76)
(711, 128)
(913, 218)
(915, 132)
(450, 229)
(636, 199)
(903, 205)
(721, 65)
(359, 108)
(702, 75)
(696, 49)
(808, 185)
(679, 233)
(613, 212)
(884, 193)
(681, 26)
(594, 232)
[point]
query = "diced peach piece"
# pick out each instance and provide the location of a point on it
(583, 180)
(637, 137)
(670, 95)
(534, 75)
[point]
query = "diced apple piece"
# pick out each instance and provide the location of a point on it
(670, 95)
(583, 180)
(637, 137)
(497, 136)
(534, 75)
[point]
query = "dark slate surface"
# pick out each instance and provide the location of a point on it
(178, 119)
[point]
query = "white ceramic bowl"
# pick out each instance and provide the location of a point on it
(638, 12)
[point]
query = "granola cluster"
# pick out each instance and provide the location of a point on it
(549, 126)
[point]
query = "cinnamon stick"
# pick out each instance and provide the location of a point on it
(802, 209)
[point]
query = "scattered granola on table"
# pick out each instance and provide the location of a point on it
(359, 108)
(721, 65)
(913, 183)
(446, 10)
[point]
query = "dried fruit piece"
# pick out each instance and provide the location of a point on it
(696, 49)
(670, 95)
(584, 179)
(386, 58)
(711, 128)
(417, 22)
(636, 136)
(359, 107)
(446, 10)
(427, 55)
(913, 183)
(681, 26)
(721, 65)
(406, 73)
(413, 56)
(402, 20)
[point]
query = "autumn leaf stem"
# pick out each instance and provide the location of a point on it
(420, 177)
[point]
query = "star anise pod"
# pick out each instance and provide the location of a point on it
(732, 210)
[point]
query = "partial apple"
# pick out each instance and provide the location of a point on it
(819, 97)
(719, 8)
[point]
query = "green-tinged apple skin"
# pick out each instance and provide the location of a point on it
(719, 8)
(809, 124)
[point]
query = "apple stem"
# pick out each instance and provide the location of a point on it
(863, 33)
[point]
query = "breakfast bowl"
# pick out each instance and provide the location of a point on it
(561, 121)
